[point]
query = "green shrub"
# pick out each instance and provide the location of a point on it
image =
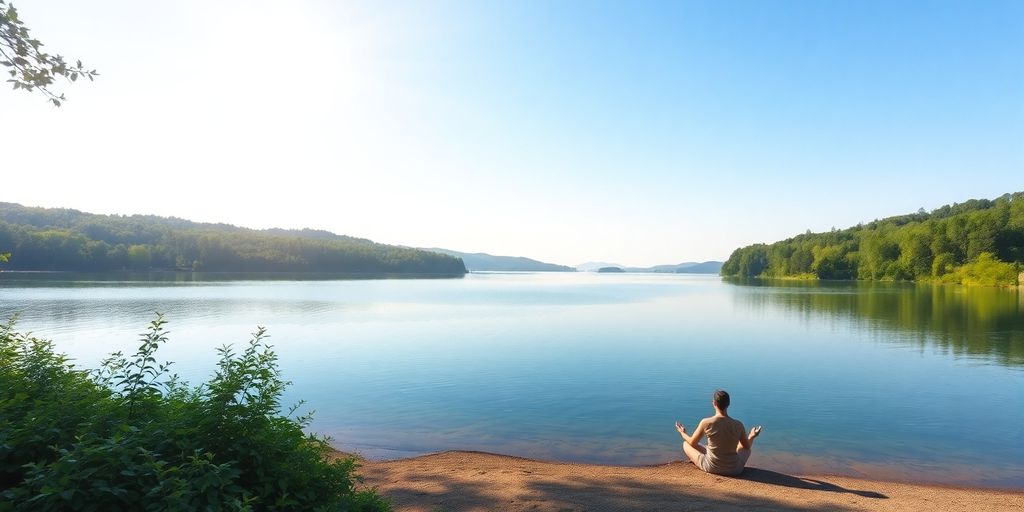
(129, 436)
(986, 270)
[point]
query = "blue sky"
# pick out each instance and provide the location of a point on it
(640, 133)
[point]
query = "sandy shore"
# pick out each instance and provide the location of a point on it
(469, 481)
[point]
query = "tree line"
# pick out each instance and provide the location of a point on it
(979, 241)
(65, 239)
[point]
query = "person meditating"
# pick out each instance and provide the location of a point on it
(728, 445)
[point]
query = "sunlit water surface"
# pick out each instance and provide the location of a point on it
(912, 382)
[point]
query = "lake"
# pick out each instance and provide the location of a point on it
(901, 381)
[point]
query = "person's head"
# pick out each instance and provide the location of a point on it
(721, 400)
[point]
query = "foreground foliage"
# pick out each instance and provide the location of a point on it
(63, 239)
(28, 66)
(980, 241)
(131, 437)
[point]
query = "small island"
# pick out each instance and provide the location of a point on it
(610, 270)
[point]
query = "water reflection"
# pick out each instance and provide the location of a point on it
(978, 322)
(596, 367)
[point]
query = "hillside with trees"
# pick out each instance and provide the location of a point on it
(979, 241)
(63, 239)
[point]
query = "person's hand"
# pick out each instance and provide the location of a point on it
(680, 428)
(756, 431)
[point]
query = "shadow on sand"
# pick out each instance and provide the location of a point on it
(771, 477)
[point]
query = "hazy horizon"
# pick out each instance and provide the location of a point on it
(565, 132)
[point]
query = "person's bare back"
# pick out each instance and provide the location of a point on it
(728, 447)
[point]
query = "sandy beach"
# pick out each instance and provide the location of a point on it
(475, 481)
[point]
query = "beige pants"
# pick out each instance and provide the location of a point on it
(706, 464)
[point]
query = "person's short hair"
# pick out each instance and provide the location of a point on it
(721, 399)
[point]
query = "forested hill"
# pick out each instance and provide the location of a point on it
(63, 239)
(979, 241)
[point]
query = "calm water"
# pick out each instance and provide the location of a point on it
(893, 381)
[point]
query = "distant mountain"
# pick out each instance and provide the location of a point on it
(593, 266)
(707, 267)
(688, 267)
(662, 268)
(480, 261)
(669, 269)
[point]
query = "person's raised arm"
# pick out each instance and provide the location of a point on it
(693, 439)
(748, 441)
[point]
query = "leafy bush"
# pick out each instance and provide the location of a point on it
(985, 270)
(129, 436)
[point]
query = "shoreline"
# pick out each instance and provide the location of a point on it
(961, 477)
(474, 480)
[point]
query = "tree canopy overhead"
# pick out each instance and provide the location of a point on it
(28, 66)
(979, 241)
(63, 239)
